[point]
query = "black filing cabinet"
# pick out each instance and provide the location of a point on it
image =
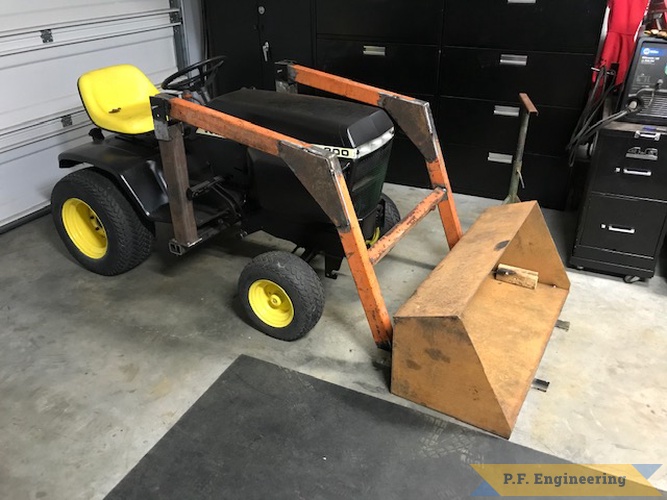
(469, 60)
(623, 221)
(544, 48)
(391, 44)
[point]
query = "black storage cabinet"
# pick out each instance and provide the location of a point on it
(468, 59)
(623, 220)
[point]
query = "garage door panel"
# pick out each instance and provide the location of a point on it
(49, 86)
(18, 16)
(21, 195)
(42, 112)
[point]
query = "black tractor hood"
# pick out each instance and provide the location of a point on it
(317, 120)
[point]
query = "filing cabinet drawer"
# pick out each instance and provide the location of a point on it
(495, 125)
(481, 172)
(388, 20)
(643, 179)
(630, 161)
(625, 225)
(401, 68)
(541, 25)
(608, 261)
(548, 78)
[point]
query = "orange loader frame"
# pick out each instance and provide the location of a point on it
(318, 170)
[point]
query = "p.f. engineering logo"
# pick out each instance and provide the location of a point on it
(575, 480)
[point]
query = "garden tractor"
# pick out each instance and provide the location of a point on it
(310, 170)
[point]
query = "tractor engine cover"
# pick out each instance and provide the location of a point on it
(359, 135)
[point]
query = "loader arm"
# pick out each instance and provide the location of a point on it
(412, 115)
(320, 173)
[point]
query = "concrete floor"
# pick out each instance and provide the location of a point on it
(94, 370)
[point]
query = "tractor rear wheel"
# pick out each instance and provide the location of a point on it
(281, 294)
(98, 225)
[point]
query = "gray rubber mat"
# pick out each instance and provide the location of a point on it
(264, 432)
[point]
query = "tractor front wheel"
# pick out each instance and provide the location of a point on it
(281, 294)
(98, 225)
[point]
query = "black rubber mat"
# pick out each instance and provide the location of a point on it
(265, 432)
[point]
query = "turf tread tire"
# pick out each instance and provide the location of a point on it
(300, 282)
(130, 240)
(391, 215)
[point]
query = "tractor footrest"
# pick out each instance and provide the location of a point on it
(469, 345)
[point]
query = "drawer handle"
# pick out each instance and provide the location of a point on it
(635, 171)
(375, 50)
(638, 153)
(500, 158)
(522, 1)
(618, 229)
(513, 60)
(506, 111)
(654, 136)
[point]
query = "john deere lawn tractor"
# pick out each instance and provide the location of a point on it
(106, 212)
(310, 170)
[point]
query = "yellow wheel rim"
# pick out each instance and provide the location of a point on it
(374, 239)
(84, 228)
(271, 303)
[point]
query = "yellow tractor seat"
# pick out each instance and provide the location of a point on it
(117, 98)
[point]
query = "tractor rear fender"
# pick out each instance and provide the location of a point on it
(137, 174)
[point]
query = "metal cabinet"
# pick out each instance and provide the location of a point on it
(560, 26)
(466, 58)
(494, 49)
(551, 79)
(623, 221)
(398, 21)
(376, 62)
(493, 124)
(254, 35)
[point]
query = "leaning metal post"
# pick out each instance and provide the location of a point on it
(527, 109)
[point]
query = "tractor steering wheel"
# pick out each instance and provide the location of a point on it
(204, 71)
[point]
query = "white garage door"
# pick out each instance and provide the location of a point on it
(45, 45)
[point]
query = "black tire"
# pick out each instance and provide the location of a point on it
(391, 215)
(297, 280)
(129, 240)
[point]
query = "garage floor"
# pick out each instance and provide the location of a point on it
(94, 370)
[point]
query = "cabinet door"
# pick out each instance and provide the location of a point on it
(631, 166)
(410, 69)
(231, 30)
(495, 125)
(409, 21)
(541, 25)
(284, 33)
(484, 172)
(625, 225)
(549, 78)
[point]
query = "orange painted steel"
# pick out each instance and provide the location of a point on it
(365, 279)
(437, 170)
(359, 257)
(230, 127)
(340, 86)
(351, 237)
(384, 245)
